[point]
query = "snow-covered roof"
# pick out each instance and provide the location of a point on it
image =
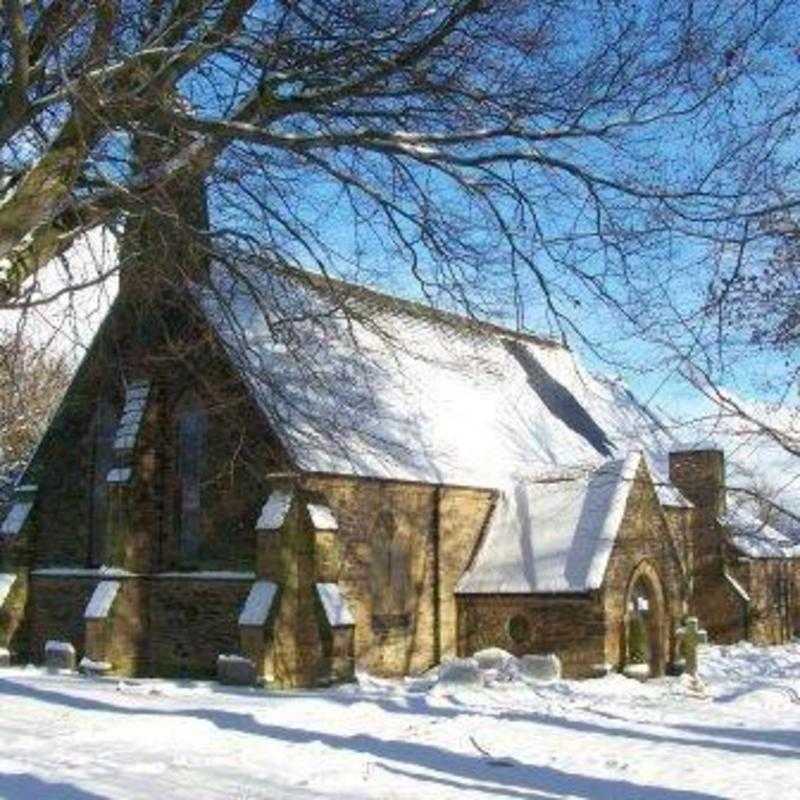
(99, 605)
(274, 511)
(755, 538)
(258, 604)
(358, 383)
(334, 605)
(553, 536)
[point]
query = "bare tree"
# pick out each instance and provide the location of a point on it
(555, 150)
(31, 383)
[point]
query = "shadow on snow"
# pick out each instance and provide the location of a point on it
(443, 767)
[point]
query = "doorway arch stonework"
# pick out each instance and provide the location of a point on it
(645, 584)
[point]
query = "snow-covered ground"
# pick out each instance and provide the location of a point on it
(74, 738)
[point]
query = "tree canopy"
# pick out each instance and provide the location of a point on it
(565, 133)
(501, 156)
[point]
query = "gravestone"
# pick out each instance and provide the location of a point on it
(689, 636)
(59, 656)
(235, 670)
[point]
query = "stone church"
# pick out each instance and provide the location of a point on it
(323, 478)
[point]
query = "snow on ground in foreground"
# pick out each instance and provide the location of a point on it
(76, 738)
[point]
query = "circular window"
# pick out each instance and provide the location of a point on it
(519, 629)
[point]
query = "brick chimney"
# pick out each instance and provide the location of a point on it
(700, 475)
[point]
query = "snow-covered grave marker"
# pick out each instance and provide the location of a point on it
(233, 670)
(59, 656)
(690, 635)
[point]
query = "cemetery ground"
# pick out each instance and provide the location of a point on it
(736, 734)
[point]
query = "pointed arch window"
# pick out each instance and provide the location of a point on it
(192, 436)
(104, 425)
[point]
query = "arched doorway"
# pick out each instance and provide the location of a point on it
(645, 629)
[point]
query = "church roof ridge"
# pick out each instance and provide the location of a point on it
(430, 313)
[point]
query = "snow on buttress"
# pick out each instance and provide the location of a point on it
(322, 518)
(16, 518)
(258, 604)
(334, 605)
(273, 514)
(358, 383)
(101, 600)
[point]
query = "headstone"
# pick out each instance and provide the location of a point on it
(235, 670)
(59, 655)
(540, 667)
(689, 636)
(5, 657)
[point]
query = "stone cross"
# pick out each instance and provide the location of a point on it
(689, 636)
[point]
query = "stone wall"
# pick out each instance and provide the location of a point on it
(681, 523)
(433, 534)
(794, 571)
(399, 637)
(571, 626)
(645, 548)
(463, 516)
(716, 603)
(157, 626)
(767, 619)
(700, 475)
(55, 610)
(192, 621)
(297, 646)
(769, 583)
(127, 648)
